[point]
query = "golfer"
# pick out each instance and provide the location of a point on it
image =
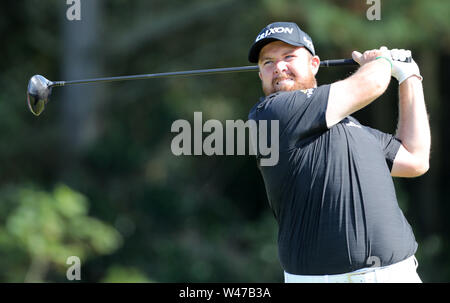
(332, 191)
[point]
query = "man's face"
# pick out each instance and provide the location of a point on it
(283, 67)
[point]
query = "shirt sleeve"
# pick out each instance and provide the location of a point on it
(302, 113)
(389, 144)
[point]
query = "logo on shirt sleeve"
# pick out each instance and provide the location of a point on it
(308, 92)
(353, 124)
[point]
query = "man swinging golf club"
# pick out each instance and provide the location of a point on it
(332, 191)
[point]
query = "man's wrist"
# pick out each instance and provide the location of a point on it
(414, 78)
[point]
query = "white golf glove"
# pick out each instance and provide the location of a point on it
(403, 70)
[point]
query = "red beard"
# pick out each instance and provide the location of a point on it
(304, 83)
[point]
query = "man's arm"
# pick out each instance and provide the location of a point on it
(360, 89)
(413, 130)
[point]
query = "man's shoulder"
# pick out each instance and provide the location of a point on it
(304, 93)
(263, 104)
(285, 100)
(279, 96)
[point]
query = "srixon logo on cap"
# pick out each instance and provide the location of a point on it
(274, 30)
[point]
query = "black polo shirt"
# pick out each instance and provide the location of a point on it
(331, 192)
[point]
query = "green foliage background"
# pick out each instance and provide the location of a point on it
(94, 175)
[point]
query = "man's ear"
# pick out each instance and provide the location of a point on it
(259, 74)
(315, 64)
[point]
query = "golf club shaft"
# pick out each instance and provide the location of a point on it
(326, 63)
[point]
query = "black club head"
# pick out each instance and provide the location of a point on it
(38, 93)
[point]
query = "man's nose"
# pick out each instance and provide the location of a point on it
(280, 66)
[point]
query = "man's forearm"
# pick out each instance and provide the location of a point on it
(413, 126)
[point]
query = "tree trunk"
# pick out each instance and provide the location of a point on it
(80, 59)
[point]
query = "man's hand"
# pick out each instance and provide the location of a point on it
(403, 70)
(370, 55)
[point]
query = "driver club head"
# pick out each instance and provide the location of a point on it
(38, 93)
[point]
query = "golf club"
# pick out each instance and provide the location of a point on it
(40, 88)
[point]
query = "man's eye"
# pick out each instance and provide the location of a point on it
(289, 57)
(267, 62)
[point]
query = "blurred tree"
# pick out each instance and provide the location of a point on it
(40, 230)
